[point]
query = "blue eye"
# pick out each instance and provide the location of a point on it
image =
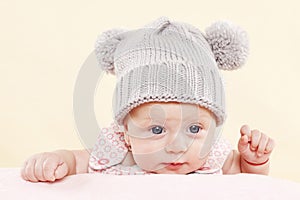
(157, 130)
(194, 128)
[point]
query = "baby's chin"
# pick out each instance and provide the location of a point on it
(165, 170)
(171, 172)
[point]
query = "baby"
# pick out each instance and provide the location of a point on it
(169, 107)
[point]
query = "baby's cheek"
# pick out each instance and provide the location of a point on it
(140, 146)
(148, 161)
(205, 145)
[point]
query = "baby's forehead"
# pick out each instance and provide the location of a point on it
(169, 109)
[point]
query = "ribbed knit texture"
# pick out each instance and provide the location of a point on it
(166, 62)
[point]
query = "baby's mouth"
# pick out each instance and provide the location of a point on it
(174, 165)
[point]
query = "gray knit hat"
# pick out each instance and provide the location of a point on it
(169, 61)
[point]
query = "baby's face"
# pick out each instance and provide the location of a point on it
(170, 137)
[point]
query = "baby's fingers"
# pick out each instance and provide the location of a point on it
(39, 166)
(61, 171)
(245, 130)
(255, 139)
(270, 146)
(243, 144)
(49, 167)
(261, 149)
(28, 170)
(23, 171)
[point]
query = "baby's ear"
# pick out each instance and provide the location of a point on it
(125, 127)
(126, 138)
(125, 130)
(124, 124)
(105, 47)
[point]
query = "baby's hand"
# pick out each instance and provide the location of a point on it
(47, 166)
(254, 146)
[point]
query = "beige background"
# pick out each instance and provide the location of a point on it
(44, 43)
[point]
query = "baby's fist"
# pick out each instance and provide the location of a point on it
(254, 146)
(47, 166)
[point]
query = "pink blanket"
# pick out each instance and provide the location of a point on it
(163, 186)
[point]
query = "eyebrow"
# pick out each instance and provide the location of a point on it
(202, 116)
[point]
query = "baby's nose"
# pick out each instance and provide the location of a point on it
(179, 144)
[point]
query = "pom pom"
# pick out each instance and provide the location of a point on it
(105, 48)
(229, 44)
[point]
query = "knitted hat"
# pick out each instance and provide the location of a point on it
(169, 61)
